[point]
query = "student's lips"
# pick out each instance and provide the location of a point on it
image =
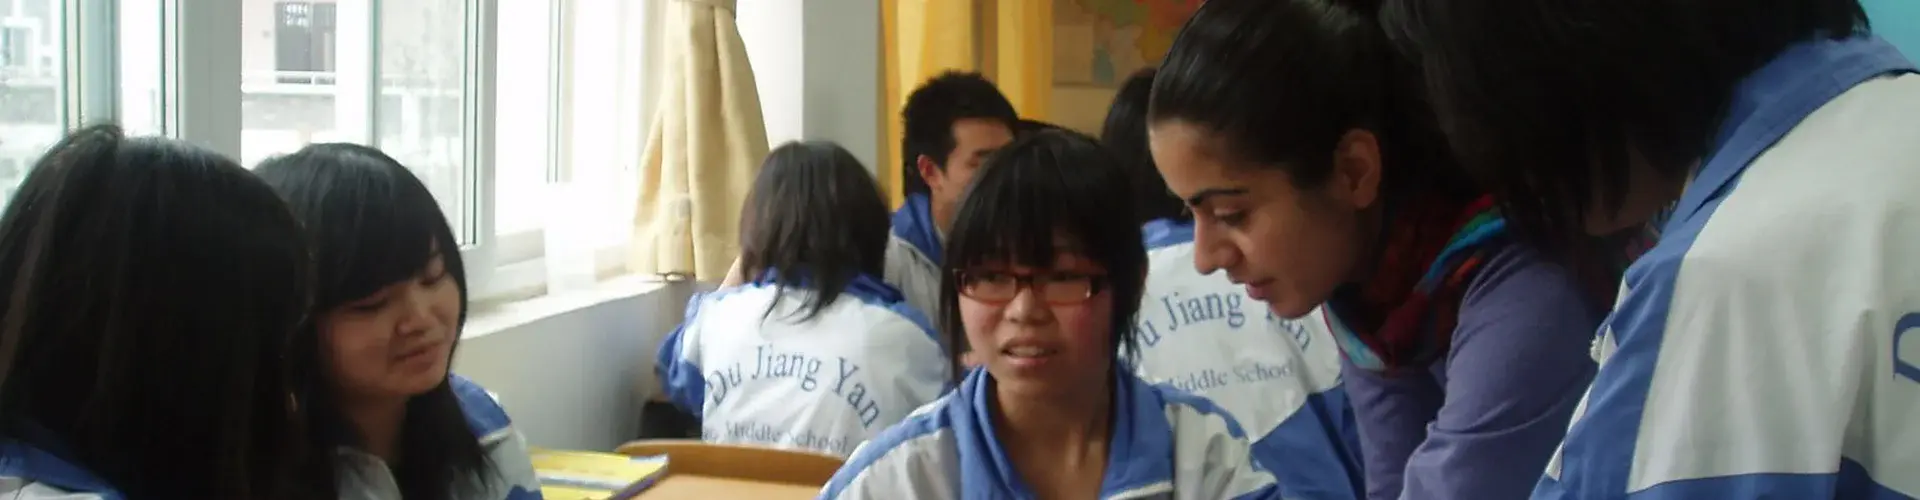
(419, 354)
(1258, 290)
(1027, 356)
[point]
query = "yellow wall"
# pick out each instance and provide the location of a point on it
(1008, 40)
(922, 38)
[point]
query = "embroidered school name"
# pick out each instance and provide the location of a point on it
(1176, 312)
(1199, 382)
(757, 432)
(810, 373)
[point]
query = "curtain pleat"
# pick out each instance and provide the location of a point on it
(705, 143)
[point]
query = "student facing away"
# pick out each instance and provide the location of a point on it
(814, 351)
(148, 293)
(386, 418)
(949, 126)
(1294, 134)
(1045, 267)
(1766, 347)
(1279, 377)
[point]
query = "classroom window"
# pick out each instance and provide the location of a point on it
(502, 107)
(303, 35)
(140, 56)
(32, 93)
(423, 90)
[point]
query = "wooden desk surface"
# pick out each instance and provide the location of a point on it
(677, 486)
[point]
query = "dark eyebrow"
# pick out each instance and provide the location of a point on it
(1201, 197)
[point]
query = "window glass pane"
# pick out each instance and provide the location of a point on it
(32, 55)
(422, 47)
(290, 71)
(525, 114)
(142, 111)
(605, 133)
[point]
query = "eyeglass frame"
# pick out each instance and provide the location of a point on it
(1096, 283)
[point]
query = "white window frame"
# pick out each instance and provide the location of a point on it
(203, 81)
(521, 269)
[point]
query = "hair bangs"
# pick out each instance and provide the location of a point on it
(374, 223)
(1029, 216)
(397, 238)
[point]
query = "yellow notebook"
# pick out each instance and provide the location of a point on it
(585, 475)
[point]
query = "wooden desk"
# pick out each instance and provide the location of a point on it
(706, 470)
(678, 486)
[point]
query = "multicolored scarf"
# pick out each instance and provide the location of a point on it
(1404, 315)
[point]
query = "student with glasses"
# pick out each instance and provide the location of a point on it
(1043, 276)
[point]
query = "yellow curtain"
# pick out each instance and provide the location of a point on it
(1023, 55)
(922, 38)
(706, 140)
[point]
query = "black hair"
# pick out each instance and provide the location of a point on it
(1125, 132)
(816, 218)
(373, 224)
(151, 291)
(927, 119)
(1048, 184)
(1028, 126)
(1280, 82)
(1547, 103)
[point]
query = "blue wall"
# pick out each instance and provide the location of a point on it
(1898, 21)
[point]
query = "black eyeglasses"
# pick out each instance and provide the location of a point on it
(1053, 288)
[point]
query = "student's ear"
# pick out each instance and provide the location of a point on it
(1356, 169)
(929, 171)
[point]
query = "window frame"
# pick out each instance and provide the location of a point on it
(202, 83)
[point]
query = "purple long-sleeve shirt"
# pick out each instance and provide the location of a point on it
(1481, 423)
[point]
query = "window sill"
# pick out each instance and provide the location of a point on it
(486, 319)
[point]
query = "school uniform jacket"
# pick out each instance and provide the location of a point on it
(1166, 444)
(32, 473)
(913, 255)
(366, 477)
(823, 385)
(1279, 378)
(1769, 345)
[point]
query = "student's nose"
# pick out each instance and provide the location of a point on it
(417, 311)
(1028, 308)
(1211, 252)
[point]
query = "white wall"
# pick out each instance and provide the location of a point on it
(772, 32)
(575, 378)
(818, 70)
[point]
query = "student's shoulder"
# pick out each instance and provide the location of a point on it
(1194, 415)
(891, 314)
(1520, 290)
(1166, 233)
(908, 460)
(1205, 434)
(16, 488)
(1512, 271)
(903, 255)
(485, 416)
(1829, 193)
